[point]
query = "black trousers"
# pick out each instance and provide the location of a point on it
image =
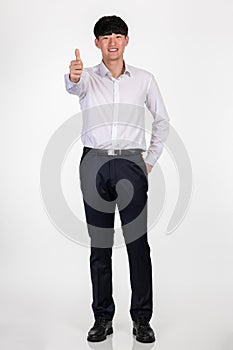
(107, 181)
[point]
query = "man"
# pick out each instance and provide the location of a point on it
(112, 97)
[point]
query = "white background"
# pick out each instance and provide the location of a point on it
(45, 292)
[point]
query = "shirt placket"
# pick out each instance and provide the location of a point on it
(115, 141)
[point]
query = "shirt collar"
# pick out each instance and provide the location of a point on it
(103, 70)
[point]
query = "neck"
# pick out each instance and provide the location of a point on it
(115, 67)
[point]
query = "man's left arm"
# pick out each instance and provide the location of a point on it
(160, 125)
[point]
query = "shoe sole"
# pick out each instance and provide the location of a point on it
(143, 340)
(110, 331)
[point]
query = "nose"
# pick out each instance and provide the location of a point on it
(112, 40)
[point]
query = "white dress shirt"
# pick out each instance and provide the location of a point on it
(113, 110)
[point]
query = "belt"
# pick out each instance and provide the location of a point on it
(115, 152)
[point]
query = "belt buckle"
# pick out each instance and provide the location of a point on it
(114, 152)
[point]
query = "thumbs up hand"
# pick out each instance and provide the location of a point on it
(76, 68)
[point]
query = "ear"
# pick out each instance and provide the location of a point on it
(127, 40)
(97, 43)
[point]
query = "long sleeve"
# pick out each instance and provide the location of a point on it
(79, 88)
(160, 125)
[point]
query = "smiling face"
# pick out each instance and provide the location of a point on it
(112, 46)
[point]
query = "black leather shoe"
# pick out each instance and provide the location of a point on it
(144, 333)
(100, 330)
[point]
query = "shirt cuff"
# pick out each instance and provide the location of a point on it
(69, 83)
(150, 159)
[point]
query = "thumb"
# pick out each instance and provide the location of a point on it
(77, 54)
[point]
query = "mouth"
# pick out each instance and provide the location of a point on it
(115, 49)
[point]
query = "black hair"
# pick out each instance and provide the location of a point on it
(110, 24)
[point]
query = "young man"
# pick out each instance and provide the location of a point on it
(112, 97)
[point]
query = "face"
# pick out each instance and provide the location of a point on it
(112, 46)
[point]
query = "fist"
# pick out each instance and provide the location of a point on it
(76, 68)
(148, 168)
